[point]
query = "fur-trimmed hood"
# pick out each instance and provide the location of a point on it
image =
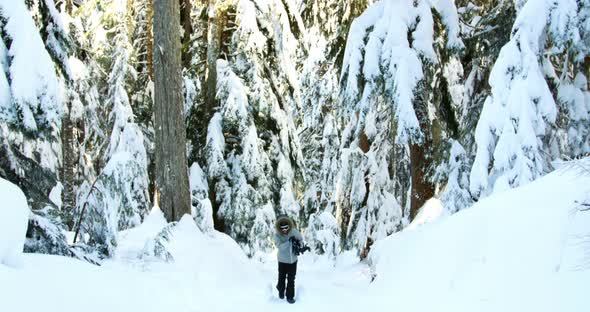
(281, 218)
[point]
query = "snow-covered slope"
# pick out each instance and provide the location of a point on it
(520, 250)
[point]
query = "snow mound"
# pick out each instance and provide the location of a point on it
(189, 246)
(133, 241)
(519, 250)
(430, 211)
(14, 216)
(214, 257)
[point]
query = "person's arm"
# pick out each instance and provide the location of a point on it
(297, 235)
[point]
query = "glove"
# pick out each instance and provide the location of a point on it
(292, 239)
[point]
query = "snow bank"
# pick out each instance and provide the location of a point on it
(217, 259)
(214, 257)
(430, 211)
(519, 250)
(14, 216)
(67, 284)
(200, 265)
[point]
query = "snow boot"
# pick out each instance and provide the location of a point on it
(291, 300)
(281, 293)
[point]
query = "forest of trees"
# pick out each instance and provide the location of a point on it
(348, 115)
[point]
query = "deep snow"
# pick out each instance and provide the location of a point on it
(524, 249)
(14, 213)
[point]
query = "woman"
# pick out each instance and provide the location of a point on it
(285, 234)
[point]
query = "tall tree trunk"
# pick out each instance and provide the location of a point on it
(68, 174)
(185, 21)
(213, 50)
(171, 164)
(421, 154)
(150, 40)
(150, 70)
(68, 195)
(69, 6)
(422, 189)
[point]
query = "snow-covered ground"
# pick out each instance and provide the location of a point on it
(525, 249)
(210, 276)
(521, 250)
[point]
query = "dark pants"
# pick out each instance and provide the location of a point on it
(287, 270)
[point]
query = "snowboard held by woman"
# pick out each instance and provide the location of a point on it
(286, 237)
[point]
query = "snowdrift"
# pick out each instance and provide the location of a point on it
(212, 258)
(14, 216)
(520, 250)
(205, 270)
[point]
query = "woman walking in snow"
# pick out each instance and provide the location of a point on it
(285, 237)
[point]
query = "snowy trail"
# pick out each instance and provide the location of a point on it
(64, 284)
(321, 286)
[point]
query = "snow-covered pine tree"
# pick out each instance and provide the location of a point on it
(35, 60)
(518, 119)
(331, 20)
(256, 161)
(206, 37)
(574, 116)
(391, 66)
(567, 68)
(202, 210)
(327, 24)
(238, 168)
(118, 199)
(89, 73)
(141, 37)
(31, 105)
(126, 135)
(485, 28)
(456, 194)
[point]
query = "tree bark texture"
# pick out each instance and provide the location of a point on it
(213, 50)
(171, 163)
(421, 153)
(422, 189)
(185, 21)
(69, 155)
(150, 40)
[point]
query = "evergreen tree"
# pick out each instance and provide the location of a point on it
(485, 28)
(327, 24)
(391, 58)
(254, 160)
(516, 122)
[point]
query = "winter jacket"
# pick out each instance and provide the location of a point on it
(285, 251)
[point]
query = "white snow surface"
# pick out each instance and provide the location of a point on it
(14, 216)
(519, 250)
(430, 211)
